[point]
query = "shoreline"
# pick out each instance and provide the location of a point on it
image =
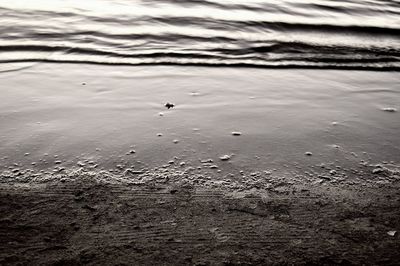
(250, 167)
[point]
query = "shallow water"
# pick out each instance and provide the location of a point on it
(286, 33)
(70, 113)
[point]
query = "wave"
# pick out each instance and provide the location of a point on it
(283, 55)
(256, 33)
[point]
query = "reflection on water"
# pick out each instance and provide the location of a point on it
(103, 112)
(306, 33)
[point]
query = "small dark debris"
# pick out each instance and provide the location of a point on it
(131, 152)
(169, 105)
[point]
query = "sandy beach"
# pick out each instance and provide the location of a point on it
(249, 167)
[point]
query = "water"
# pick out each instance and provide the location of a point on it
(100, 112)
(357, 34)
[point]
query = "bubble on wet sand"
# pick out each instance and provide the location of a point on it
(159, 134)
(175, 141)
(308, 153)
(130, 171)
(225, 157)
(389, 109)
(236, 133)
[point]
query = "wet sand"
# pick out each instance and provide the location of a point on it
(250, 166)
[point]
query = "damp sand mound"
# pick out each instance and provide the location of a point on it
(366, 174)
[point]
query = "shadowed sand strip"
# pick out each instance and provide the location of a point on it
(182, 217)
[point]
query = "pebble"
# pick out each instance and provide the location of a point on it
(159, 134)
(26, 154)
(236, 133)
(57, 162)
(207, 161)
(391, 233)
(175, 141)
(213, 166)
(225, 157)
(182, 164)
(161, 114)
(131, 152)
(332, 172)
(308, 153)
(377, 170)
